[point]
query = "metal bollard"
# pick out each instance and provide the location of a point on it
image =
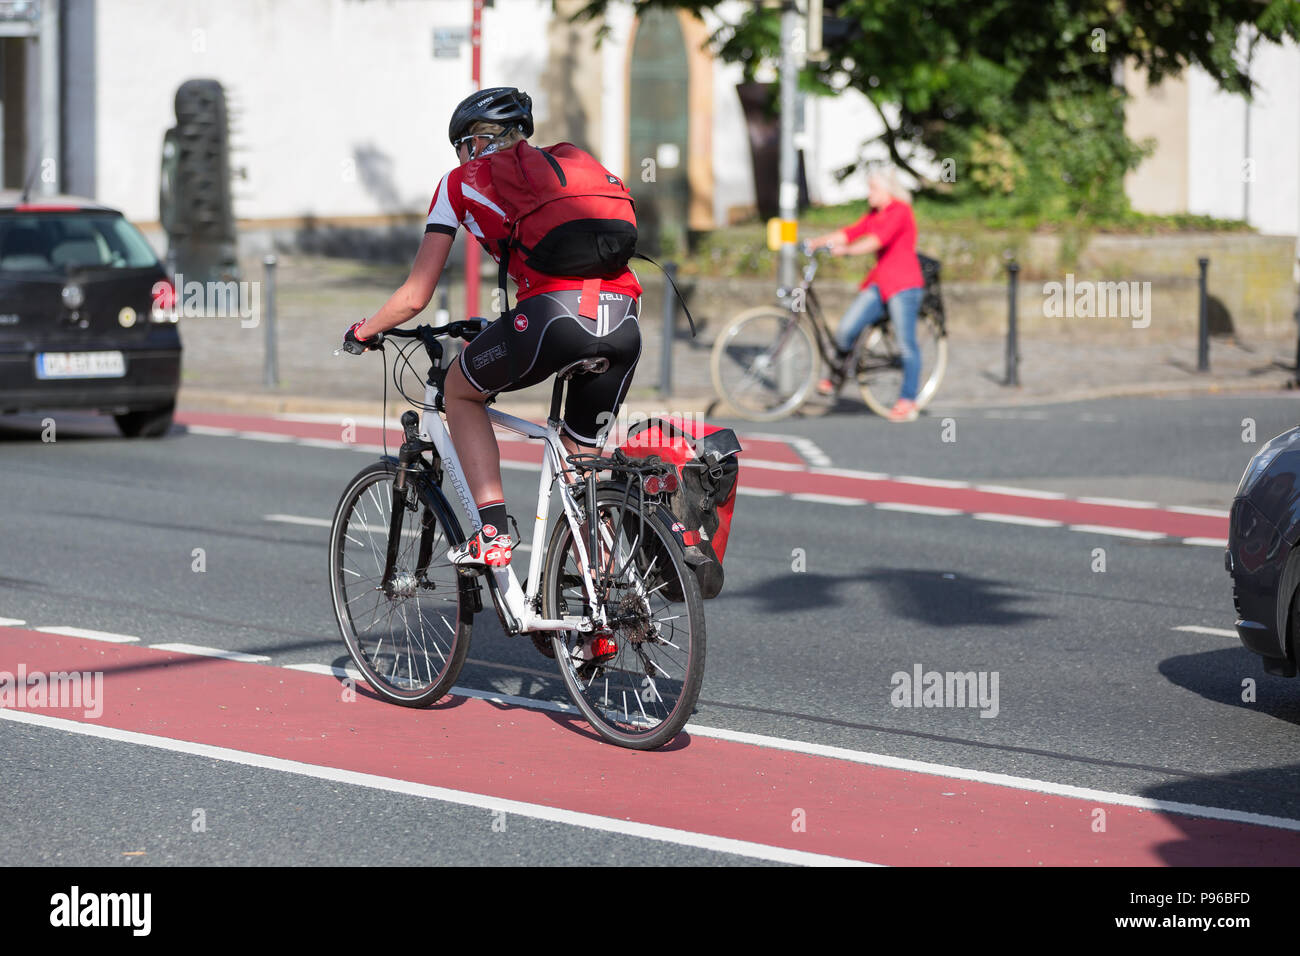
(270, 365)
(669, 330)
(1203, 333)
(1013, 345)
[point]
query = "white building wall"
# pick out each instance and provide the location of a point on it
(342, 108)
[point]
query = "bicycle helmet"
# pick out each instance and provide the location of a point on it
(500, 104)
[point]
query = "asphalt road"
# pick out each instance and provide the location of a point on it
(824, 603)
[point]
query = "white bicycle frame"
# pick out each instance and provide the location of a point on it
(520, 602)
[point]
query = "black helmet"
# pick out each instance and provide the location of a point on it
(501, 104)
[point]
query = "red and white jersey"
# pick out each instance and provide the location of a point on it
(466, 197)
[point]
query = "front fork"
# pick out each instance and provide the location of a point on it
(407, 458)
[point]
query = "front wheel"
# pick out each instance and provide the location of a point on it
(880, 363)
(409, 634)
(765, 363)
(642, 696)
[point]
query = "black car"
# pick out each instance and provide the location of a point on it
(1262, 557)
(87, 315)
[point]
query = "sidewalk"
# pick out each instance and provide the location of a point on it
(318, 298)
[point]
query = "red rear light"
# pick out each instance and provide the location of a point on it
(661, 484)
(164, 301)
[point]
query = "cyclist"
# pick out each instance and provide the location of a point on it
(895, 283)
(556, 321)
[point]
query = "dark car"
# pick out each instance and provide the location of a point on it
(1262, 557)
(87, 316)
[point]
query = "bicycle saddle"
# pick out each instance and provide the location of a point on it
(587, 366)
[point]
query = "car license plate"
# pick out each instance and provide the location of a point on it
(80, 365)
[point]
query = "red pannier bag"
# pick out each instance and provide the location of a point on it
(707, 472)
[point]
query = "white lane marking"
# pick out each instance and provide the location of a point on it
(931, 482)
(1017, 519)
(322, 418)
(211, 430)
(918, 509)
(759, 492)
(827, 499)
(851, 473)
(1020, 492)
(324, 443)
(773, 465)
(1198, 629)
(1207, 542)
(998, 779)
(463, 798)
(268, 436)
(201, 651)
(931, 769)
(88, 635)
(299, 519)
(1118, 532)
(1031, 416)
(327, 669)
(810, 451)
(11, 622)
(1208, 512)
(1117, 502)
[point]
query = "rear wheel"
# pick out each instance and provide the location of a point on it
(765, 363)
(880, 363)
(642, 696)
(408, 636)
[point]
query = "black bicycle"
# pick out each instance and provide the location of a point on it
(767, 360)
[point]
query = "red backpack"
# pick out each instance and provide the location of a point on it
(567, 214)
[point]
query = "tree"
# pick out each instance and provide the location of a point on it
(1021, 94)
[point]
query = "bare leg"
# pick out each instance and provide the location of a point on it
(471, 433)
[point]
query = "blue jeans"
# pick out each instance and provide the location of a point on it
(867, 309)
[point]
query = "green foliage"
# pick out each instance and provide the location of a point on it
(1020, 93)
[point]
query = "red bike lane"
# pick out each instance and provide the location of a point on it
(839, 808)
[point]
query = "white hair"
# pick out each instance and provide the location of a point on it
(888, 177)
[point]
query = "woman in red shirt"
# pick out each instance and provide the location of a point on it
(889, 230)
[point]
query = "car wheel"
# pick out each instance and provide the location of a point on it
(147, 423)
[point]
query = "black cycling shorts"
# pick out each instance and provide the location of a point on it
(543, 334)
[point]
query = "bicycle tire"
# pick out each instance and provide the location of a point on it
(401, 670)
(640, 654)
(880, 369)
(733, 351)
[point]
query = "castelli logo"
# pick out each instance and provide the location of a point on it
(489, 531)
(521, 323)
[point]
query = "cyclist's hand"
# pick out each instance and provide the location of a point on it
(356, 346)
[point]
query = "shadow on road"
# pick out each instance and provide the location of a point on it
(925, 595)
(1219, 675)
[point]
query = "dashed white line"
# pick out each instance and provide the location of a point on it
(1207, 542)
(211, 430)
(201, 651)
(1017, 519)
(299, 519)
(269, 436)
(1118, 532)
(931, 482)
(827, 499)
(918, 509)
(1020, 492)
(851, 473)
(1208, 512)
(1117, 502)
(1198, 629)
(759, 492)
(88, 634)
(11, 622)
